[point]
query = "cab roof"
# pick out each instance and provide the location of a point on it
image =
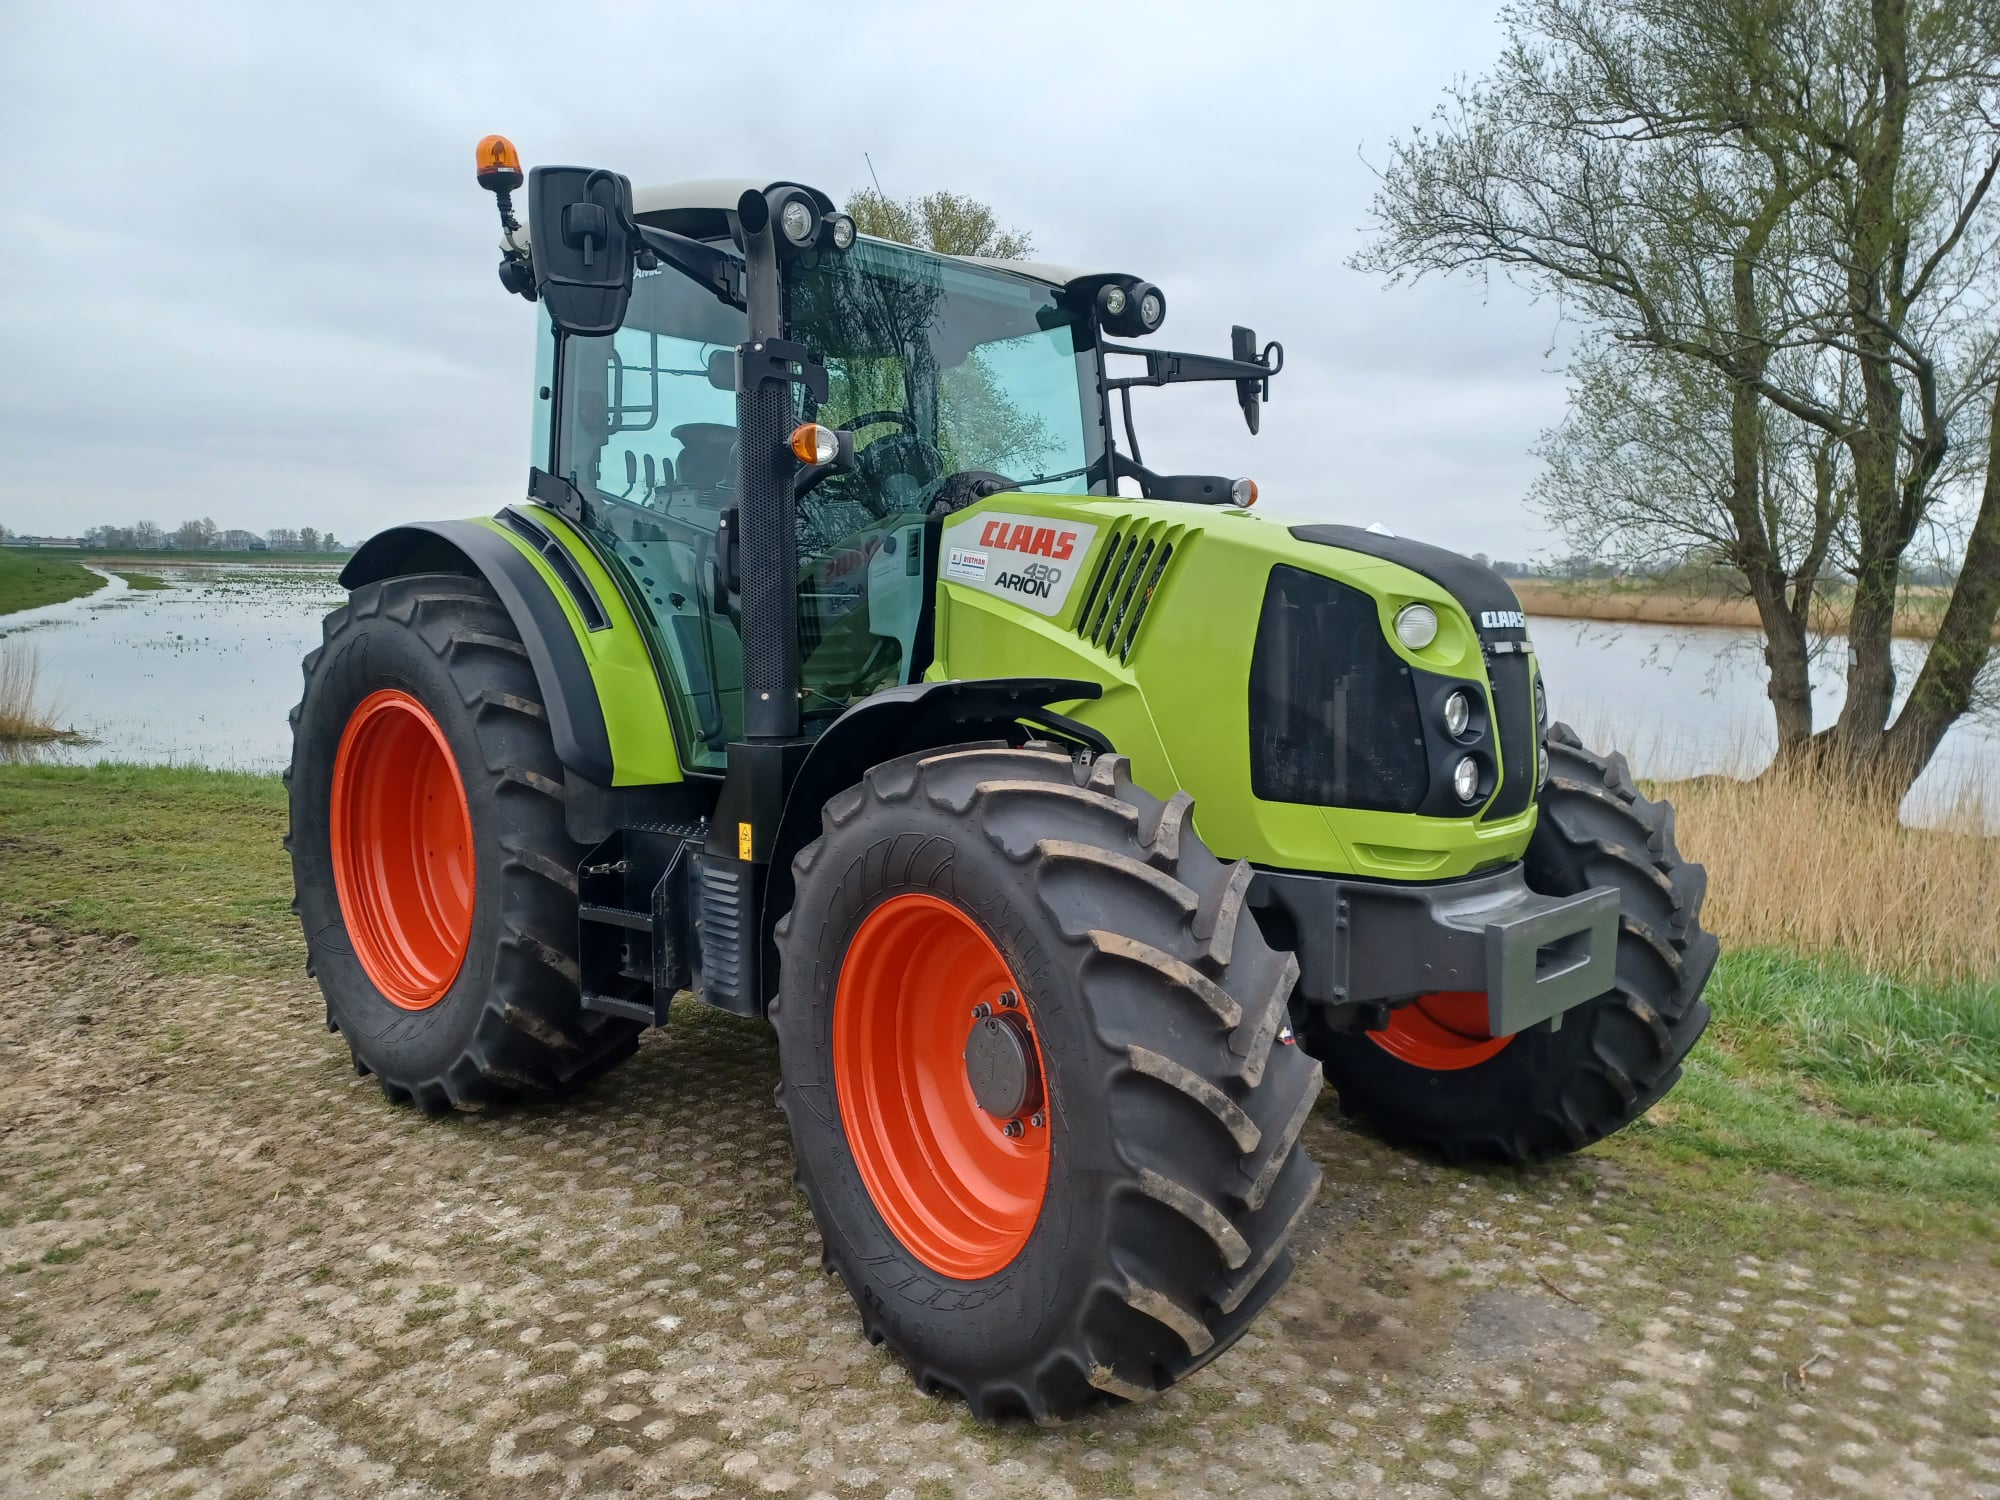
(705, 208)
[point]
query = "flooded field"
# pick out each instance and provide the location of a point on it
(204, 671)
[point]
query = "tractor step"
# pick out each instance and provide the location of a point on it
(615, 916)
(633, 939)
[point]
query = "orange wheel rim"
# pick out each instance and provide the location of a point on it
(954, 1187)
(402, 849)
(1444, 1031)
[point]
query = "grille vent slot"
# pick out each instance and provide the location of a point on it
(1136, 557)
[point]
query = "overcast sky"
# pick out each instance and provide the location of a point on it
(250, 275)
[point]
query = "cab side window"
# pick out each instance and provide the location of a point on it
(649, 441)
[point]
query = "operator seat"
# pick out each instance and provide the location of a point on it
(708, 457)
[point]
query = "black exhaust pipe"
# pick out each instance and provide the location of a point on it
(767, 511)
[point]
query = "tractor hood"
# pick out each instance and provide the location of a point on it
(1254, 662)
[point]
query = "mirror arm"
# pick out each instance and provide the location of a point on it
(1191, 489)
(1169, 367)
(717, 270)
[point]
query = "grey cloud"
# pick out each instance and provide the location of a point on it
(252, 277)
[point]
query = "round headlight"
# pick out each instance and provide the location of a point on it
(1151, 309)
(1457, 713)
(1541, 705)
(1465, 778)
(1416, 626)
(1243, 492)
(798, 221)
(1114, 301)
(843, 232)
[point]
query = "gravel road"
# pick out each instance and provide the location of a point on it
(229, 1267)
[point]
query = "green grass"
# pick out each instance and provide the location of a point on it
(30, 578)
(1844, 1078)
(141, 581)
(187, 861)
(1885, 1095)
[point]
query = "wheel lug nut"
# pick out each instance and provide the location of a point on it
(1038, 1120)
(1013, 1127)
(1008, 1000)
(981, 1011)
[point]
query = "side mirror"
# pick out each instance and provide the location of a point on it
(580, 224)
(1249, 393)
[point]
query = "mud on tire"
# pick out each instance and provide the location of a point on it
(1176, 1098)
(511, 1023)
(1549, 1093)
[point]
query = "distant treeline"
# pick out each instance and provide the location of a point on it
(201, 536)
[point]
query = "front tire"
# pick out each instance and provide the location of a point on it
(434, 875)
(1434, 1079)
(1132, 1226)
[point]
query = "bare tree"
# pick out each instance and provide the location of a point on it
(1735, 183)
(1643, 470)
(195, 536)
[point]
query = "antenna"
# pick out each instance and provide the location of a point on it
(872, 177)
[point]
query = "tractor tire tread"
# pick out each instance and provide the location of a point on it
(1183, 1004)
(531, 1036)
(1596, 828)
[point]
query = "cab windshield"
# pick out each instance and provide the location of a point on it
(956, 380)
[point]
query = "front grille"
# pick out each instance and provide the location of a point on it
(1514, 713)
(1334, 719)
(1129, 572)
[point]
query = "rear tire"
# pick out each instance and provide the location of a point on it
(1547, 1093)
(1174, 1098)
(509, 1023)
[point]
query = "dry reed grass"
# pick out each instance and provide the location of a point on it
(1917, 613)
(24, 714)
(1794, 864)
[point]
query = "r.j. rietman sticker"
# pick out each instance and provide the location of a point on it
(965, 565)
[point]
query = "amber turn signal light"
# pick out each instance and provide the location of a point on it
(1244, 492)
(814, 444)
(498, 163)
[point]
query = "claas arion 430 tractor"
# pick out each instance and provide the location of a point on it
(1069, 821)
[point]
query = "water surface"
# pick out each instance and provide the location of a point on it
(205, 671)
(202, 672)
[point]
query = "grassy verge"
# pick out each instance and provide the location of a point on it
(31, 578)
(187, 861)
(140, 581)
(1881, 1094)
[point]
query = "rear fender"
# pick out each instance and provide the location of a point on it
(586, 649)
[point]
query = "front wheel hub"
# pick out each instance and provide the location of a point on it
(1000, 1066)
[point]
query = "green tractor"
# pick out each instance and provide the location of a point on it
(826, 675)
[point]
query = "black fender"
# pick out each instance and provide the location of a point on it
(897, 721)
(569, 693)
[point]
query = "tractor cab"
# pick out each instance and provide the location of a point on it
(948, 379)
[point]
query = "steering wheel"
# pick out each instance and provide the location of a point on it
(965, 487)
(876, 418)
